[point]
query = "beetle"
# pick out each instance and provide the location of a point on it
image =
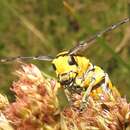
(75, 72)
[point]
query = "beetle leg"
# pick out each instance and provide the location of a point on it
(86, 94)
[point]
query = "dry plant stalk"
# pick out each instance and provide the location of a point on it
(37, 107)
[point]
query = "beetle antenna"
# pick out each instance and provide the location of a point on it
(83, 45)
(43, 58)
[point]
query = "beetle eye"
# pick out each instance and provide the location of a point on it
(54, 67)
(72, 61)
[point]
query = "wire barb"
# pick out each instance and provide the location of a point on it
(80, 47)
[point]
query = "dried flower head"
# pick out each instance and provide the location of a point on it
(36, 102)
(3, 101)
(42, 105)
(4, 123)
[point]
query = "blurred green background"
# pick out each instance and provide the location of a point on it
(47, 27)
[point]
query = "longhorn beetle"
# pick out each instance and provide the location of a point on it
(76, 72)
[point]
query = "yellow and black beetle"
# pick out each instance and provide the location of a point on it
(76, 72)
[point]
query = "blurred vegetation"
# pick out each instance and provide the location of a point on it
(47, 27)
